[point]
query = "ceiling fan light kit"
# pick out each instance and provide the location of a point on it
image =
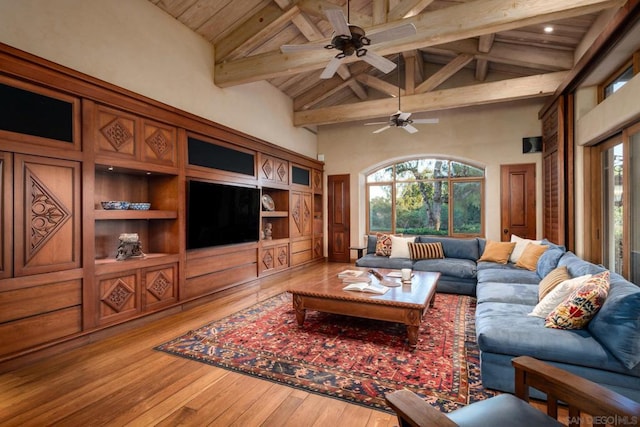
(351, 39)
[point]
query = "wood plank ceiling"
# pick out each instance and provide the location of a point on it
(465, 52)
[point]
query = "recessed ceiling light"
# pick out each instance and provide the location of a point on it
(548, 29)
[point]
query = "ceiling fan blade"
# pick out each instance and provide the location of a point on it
(410, 128)
(375, 123)
(331, 68)
(287, 48)
(424, 121)
(338, 21)
(403, 116)
(382, 129)
(380, 62)
(394, 33)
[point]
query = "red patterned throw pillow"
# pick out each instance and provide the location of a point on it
(581, 305)
(383, 244)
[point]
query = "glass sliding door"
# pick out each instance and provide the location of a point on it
(613, 207)
(634, 204)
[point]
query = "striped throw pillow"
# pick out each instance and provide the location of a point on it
(426, 250)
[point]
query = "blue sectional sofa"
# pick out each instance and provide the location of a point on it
(607, 351)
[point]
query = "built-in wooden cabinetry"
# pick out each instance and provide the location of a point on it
(59, 278)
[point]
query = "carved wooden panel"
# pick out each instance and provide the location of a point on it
(159, 144)
(301, 215)
(161, 287)
(316, 181)
(47, 215)
(318, 251)
(118, 297)
(6, 214)
(274, 170)
(116, 132)
(282, 256)
(307, 214)
(267, 259)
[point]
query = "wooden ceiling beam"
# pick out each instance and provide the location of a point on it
(444, 73)
(407, 8)
(485, 42)
(379, 12)
(380, 85)
(481, 94)
(433, 28)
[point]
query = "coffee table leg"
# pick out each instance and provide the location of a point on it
(413, 324)
(412, 333)
(300, 311)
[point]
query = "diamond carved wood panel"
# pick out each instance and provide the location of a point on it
(160, 285)
(118, 297)
(283, 256)
(159, 144)
(267, 259)
(116, 132)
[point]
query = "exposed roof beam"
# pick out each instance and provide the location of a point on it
(444, 73)
(380, 85)
(379, 13)
(408, 8)
(480, 94)
(485, 42)
(444, 25)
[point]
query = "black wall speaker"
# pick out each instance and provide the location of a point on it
(532, 144)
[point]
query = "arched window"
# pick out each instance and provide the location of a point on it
(426, 196)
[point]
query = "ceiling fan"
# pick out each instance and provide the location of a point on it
(350, 39)
(400, 119)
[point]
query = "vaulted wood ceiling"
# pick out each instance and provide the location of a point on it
(465, 52)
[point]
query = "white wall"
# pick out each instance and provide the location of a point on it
(489, 136)
(135, 45)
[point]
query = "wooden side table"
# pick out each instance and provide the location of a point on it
(359, 249)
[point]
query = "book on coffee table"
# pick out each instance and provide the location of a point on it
(374, 288)
(351, 273)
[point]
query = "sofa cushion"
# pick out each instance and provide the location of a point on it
(526, 335)
(400, 246)
(383, 244)
(425, 250)
(514, 293)
(375, 261)
(557, 295)
(521, 244)
(497, 251)
(509, 274)
(549, 260)
(617, 324)
(454, 267)
(455, 247)
(578, 266)
(551, 280)
(530, 256)
(581, 306)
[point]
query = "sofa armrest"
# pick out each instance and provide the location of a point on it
(579, 394)
(415, 412)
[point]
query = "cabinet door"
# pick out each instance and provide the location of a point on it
(161, 287)
(116, 133)
(47, 215)
(301, 214)
(273, 169)
(119, 296)
(6, 215)
(282, 257)
(317, 181)
(159, 144)
(267, 259)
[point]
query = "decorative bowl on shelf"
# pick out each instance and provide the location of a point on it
(115, 205)
(141, 206)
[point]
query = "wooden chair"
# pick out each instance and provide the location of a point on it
(583, 398)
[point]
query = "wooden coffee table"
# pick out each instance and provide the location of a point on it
(403, 304)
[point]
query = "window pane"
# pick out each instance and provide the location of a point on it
(380, 208)
(634, 204)
(613, 209)
(466, 207)
(620, 81)
(422, 208)
(422, 169)
(382, 175)
(459, 170)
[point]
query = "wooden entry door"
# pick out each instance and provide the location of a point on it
(338, 224)
(518, 201)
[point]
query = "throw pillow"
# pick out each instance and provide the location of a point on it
(497, 251)
(521, 244)
(551, 280)
(383, 244)
(426, 250)
(578, 309)
(557, 295)
(400, 246)
(530, 256)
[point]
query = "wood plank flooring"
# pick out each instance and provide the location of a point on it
(122, 381)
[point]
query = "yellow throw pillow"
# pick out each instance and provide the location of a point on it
(530, 256)
(497, 251)
(551, 280)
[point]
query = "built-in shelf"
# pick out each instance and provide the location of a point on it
(133, 214)
(275, 214)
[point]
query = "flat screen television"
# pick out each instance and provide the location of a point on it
(220, 214)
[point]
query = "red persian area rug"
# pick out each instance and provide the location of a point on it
(358, 360)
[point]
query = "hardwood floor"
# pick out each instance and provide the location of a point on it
(122, 381)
